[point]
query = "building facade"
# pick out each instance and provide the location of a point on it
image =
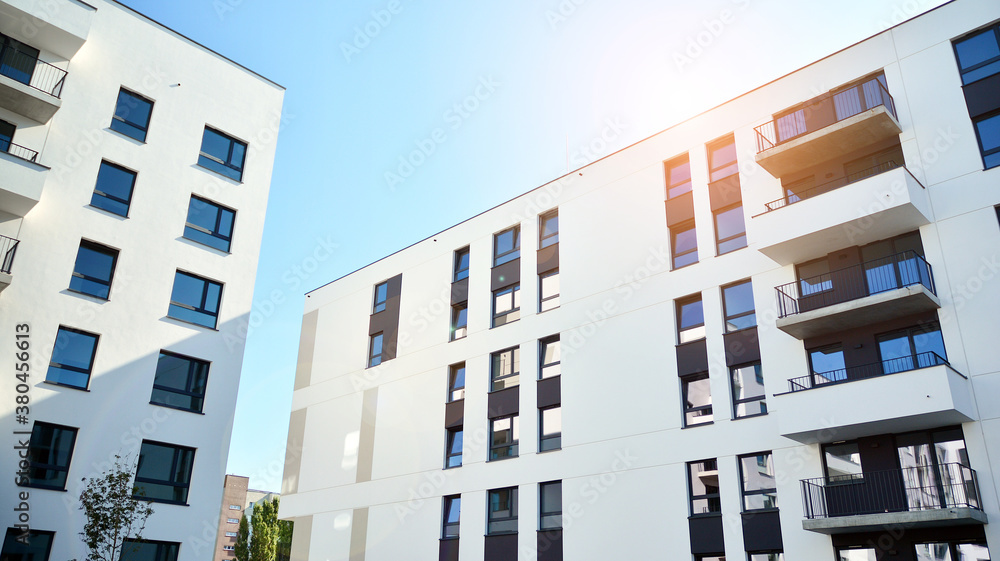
(776, 329)
(234, 503)
(135, 166)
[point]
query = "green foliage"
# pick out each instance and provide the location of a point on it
(243, 540)
(112, 514)
(264, 531)
(285, 528)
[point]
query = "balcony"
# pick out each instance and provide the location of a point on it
(827, 127)
(29, 86)
(874, 291)
(8, 249)
(868, 209)
(898, 395)
(21, 178)
(57, 27)
(917, 497)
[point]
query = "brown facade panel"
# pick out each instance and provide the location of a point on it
(981, 96)
(549, 392)
(504, 402)
(505, 275)
(549, 545)
(741, 346)
(680, 209)
(387, 321)
(692, 358)
(725, 192)
(548, 258)
(762, 531)
(454, 414)
(460, 291)
(501, 548)
(706, 535)
(448, 550)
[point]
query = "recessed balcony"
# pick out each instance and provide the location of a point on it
(29, 86)
(8, 249)
(876, 207)
(21, 178)
(827, 127)
(874, 291)
(914, 497)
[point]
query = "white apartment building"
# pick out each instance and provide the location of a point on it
(776, 322)
(134, 173)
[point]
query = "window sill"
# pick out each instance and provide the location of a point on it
(500, 459)
(445, 468)
(190, 323)
(710, 423)
(176, 408)
(51, 383)
(760, 510)
(200, 245)
(131, 139)
(91, 297)
(717, 254)
(683, 266)
(550, 450)
(736, 418)
(159, 501)
(500, 534)
(44, 487)
(706, 515)
(108, 212)
(217, 174)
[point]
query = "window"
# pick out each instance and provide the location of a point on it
(856, 554)
(6, 135)
(722, 159)
(72, 358)
(748, 390)
(375, 350)
(461, 264)
(730, 229)
(222, 154)
(454, 453)
(737, 302)
(94, 269)
(49, 454)
(209, 224)
(381, 295)
(502, 514)
(459, 321)
(697, 395)
(827, 364)
(195, 300)
(979, 54)
(233, 520)
(759, 488)
(952, 552)
(456, 382)
(235, 507)
(690, 319)
(678, 174)
(814, 277)
(17, 60)
(229, 547)
(550, 505)
(132, 113)
(777, 556)
(163, 473)
(549, 357)
(504, 433)
(452, 515)
(506, 305)
(147, 550)
(35, 548)
(180, 382)
(842, 462)
(988, 133)
(548, 229)
(506, 246)
(908, 349)
(505, 369)
(113, 191)
(550, 429)
(548, 293)
(230, 534)
(703, 486)
(684, 244)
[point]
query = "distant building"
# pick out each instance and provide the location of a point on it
(234, 503)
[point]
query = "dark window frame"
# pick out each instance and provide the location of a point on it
(98, 194)
(463, 254)
(178, 451)
(380, 299)
(543, 344)
(13, 534)
(448, 502)
(201, 309)
(514, 313)
(706, 463)
(375, 359)
(542, 298)
(225, 242)
(453, 388)
(726, 316)
(717, 145)
(103, 250)
(509, 448)
(685, 381)
(696, 328)
(511, 254)
(763, 490)
(675, 256)
(737, 402)
(983, 151)
(126, 127)
(743, 234)
(459, 312)
(543, 513)
(512, 507)
(684, 184)
(193, 365)
(515, 368)
(543, 239)
(552, 442)
(226, 168)
(160, 555)
(995, 28)
(33, 464)
(449, 455)
(90, 368)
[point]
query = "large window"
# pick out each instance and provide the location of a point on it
(549, 357)
(456, 382)
(17, 60)
(505, 368)
(814, 277)
(180, 382)
(147, 550)
(113, 191)
(908, 349)
(703, 487)
(722, 159)
(979, 54)
(506, 305)
(550, 429)
(748, 390)
(94, 269)
(163, 473)
(737, 302)
(730, 229)
(210, 224)
(501, 516)
(132, 113)
(842, 461)
(49, 455)
(195, 300)
(375, 350)
(988, 132)
(381, 296)
(548, 229)
(690, 319)
(506, 246)
(696, 392)
(683, 244)
(452, 516)
(678, 174)
(461, 264)
(35, 548)
(72, 358)
(550, 505)
(453, 455)
(504, 434)
(459, 321)
(757, 477)
(827, 364)
(952, 551)
(222, 154)
(548, 291)
(857, 554)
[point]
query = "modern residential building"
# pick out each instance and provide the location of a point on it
(134, 173)
(776, 322)
(234, 502)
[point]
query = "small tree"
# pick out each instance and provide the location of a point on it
(285, 529)
(113, 515)
(243, 540)
(264, 531)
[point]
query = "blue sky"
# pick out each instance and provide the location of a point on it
(420, 115)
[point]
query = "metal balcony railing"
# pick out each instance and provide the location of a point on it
(865, 371)
(793, 195)
(931, 487)
(818, 113)
(18, 151)
(27, 69)
(8, 248)
(852, 283)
